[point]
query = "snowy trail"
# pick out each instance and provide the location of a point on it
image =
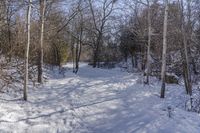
(96, 101)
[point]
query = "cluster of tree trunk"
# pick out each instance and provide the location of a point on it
(178, 21)
(97, 32)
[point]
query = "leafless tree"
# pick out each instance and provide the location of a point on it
(27, 49)
(41, 53)
(163, 70)
(99, 23)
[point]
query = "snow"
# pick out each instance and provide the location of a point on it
(97, 101)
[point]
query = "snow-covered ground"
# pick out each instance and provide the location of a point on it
(97, 101)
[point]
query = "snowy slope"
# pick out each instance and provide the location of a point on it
(97, 101)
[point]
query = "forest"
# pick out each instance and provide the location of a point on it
(100, 66)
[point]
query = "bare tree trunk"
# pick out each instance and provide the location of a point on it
(163, 71)
(107, 10)
(148, 47)
(8, 21)
(79, 40)
(95, 56)
(186, 66)
(9, 42)
(189, 34)
(76, 57)
(78, 51)
(41, 53)
(27, 49)
(72, 52)
(186, 71)
(96, 51)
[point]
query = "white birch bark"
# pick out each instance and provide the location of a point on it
(149, 46)
(41, 56)
(163, 69)
(27, 50)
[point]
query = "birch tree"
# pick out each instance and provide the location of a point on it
(79, 38)
(163, 70)
(186, 71)
(41, 53)
(27, 49)
(148, 56)
(149, 44)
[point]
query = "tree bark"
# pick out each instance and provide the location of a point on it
(41, 53)
(163, 70)
(79, 49)
(27, 50)
(186, 71)
(186, 66)
(148, 47)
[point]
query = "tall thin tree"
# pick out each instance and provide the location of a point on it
(186, 68)
(27, 48)
(41, 53)
(149, 45)
(148, 53)
(163, 71)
